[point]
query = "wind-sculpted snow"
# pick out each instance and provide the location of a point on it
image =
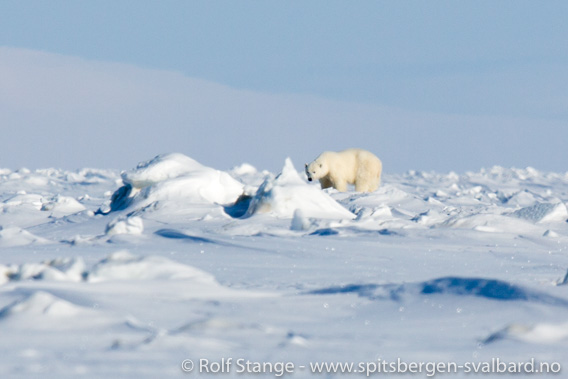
(14, 236)
(125, 266)
(121, 265)
(59, 269)
(159, 169)
(543, 212)
(288, 192)
(540, 333)
(125, 225)
(173, 178)
(104, 274)
(42, 304)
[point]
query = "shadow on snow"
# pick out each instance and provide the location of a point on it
(485, 288)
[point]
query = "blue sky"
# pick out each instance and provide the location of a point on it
(437, 85)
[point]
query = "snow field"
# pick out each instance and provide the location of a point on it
(128, 274)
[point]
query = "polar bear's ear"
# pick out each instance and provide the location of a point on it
(305, 165)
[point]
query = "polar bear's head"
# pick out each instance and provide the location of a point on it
(316, 170)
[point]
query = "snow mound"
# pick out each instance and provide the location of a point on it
(249, 175)
(41, 303)
(160, 168)
(125, 225)
(521, 198)
(299, 221)
(286, 193)
(550, 234)
(204, 186)
(62, 206)
(121, 265)
(488, 223)
(60, 269)
(126, 266)
(21, 201)
(543, 212)
(87, 176)
(14, 236)
(174, 178)
(542, 333)
(429, 218)
(243, 169)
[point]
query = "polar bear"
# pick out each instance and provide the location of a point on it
(352, 166)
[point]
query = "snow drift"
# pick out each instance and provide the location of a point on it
(126, 266)
(543, 212)
(41, 304)
(288, 192)
(121, 265)
(174, 178)
(540, 333)
(433, 266)
(14, 236)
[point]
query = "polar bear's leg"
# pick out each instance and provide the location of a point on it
(363, 181)
(340, 185)
(325, 183)
(362, 187)
(367, 178)
(371, 187)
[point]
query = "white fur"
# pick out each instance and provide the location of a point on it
(352, 166)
